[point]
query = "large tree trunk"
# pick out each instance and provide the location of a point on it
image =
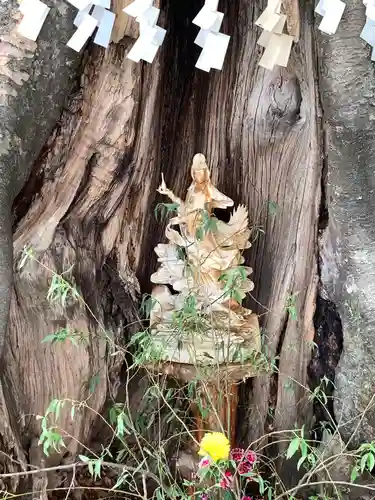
(88, 206)
(27, 118)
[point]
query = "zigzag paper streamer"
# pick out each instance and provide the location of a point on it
(92, 14)
(213, 43)
(34, 13)
(151, 36)
(332, 11)
(277, 44)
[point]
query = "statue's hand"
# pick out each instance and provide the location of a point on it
(162, 189)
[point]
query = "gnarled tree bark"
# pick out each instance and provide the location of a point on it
(88, 206)
(27, 118)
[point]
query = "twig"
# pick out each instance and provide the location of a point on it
(80, 464)
(318, 483)
(144, 486)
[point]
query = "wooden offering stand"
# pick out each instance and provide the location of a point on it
(218, 392)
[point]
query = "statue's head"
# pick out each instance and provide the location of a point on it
(199, 169)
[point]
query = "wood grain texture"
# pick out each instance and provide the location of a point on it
(35, 79)
(97, 188)
(125, 25)
(82, 168)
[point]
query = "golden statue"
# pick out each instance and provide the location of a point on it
(202, 322)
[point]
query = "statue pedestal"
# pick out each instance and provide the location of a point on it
(217, 389)
(217, 385)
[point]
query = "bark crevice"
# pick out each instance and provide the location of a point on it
(328, 338)
(329, 344)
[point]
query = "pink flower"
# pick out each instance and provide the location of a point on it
(227, 480)
(245, 460)
(237, 454)
(251, 457)
(205, 462)
(205, 497)
(247, 498)
(244, 467)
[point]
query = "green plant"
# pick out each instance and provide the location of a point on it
(290, 305)
(94, 466)
(319, 393)
(233, 279)
(299, 444)
(208, 223)
(163, 210)
(50, 436)
(365, 460)
(64, 334)
(61, 290)
(273, 208)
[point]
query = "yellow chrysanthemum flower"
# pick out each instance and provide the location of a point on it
(215, 445)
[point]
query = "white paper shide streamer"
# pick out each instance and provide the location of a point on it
(332, 11)
(368, 32)
(92, 14)
(277, 44)
(94, 17)
(151, 36)
(34, 14)
(213, 43)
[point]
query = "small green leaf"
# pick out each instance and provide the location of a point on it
(260, 481)
(46, 446)
(228, 495)
(49, 338)
(300, 462)
(293, 447)
(57, 412)
(370, 462)
(354, 474)
(120, 425)
(363, 462)
(121, 480)
(303, 448)
(73, 340)
(26, 254)
(91, 468)
(147, 304)
(94, 381)
(199, 233)
(138, 337)
(97, 468)
(84, 459)
(112, 415)
(188, 483)
(165, 209)
(273, 208)
(52, 406)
